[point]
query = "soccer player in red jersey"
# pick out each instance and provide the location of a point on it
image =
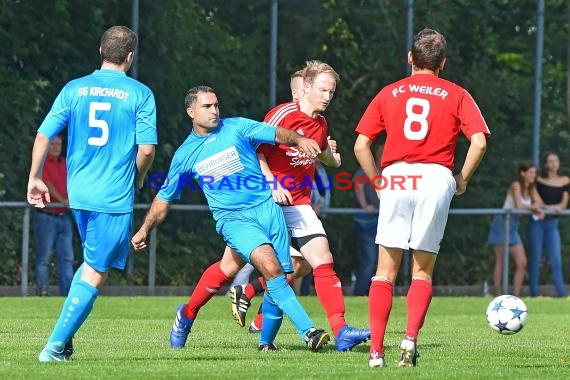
(422, 116)
(293, 172)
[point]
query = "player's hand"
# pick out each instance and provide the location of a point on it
(332, 144)
(282, 196)
(37, 192)
(317, 207)
(337, 159)
(336, 155)
(370, 209)
(537, 213)
(309, 147)
(139, 240)
(461, 184)
(139, 183)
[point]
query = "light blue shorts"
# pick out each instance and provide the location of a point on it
(245, 230)
(497, 231)
(105, 238)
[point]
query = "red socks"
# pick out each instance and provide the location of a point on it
(329, 291)
(258, 321)
(418, 300)
(211, 281)
(255, 287)
(379, 308)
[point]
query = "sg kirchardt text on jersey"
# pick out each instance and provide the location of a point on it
(103, 91)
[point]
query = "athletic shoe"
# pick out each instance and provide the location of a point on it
(410, 355)
(376, 360)
(267, 347)
(351, 336)
(180, 329)
(68, 349)
(53, 353)
(316, 339)
(253, 329)
(240, 304)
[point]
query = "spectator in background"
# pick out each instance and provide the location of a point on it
(521, 194)
(366, 225)
(552, 187)
(53, 226)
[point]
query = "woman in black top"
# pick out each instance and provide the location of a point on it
(552, 187)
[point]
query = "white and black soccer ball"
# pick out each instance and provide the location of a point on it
(507, 314)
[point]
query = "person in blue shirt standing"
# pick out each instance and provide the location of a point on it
(111, 121)
(220, 155)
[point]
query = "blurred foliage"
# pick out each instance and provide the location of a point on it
(225, 44)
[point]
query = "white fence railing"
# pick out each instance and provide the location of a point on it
(152, 239)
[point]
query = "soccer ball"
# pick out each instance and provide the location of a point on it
(507, 314)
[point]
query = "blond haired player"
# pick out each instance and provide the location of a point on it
(282, 164)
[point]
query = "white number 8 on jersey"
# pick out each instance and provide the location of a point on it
(420, 118)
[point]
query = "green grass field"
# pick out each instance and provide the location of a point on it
(127, 338)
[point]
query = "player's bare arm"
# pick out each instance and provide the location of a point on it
(154, 216)
(37, 189)
(280, 194)
(291, 138)
(363, 152)
(330, 158)
(145, 156)
(474, 156)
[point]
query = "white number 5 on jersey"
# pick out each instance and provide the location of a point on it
(98, 123)
(419, 118)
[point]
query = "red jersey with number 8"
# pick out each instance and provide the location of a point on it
(422, 116)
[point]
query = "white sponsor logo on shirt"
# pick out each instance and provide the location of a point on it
(220, 165)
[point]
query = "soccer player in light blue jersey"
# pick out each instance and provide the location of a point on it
(111, 121)
(220, 155)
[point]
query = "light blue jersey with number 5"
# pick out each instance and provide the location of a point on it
(107, 114)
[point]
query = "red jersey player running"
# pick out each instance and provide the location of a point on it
(293, 173)
(422, 116)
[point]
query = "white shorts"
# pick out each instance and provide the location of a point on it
(414, 215)
(294, 253)
(302, 221)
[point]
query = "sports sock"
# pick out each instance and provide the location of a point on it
(255, 287)
(272, 319)
(258, 321)
(285, 298)
(418, 300)
(379, 307)
(329, 292)
(210, 282)
(76, 308)
(77, 276)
